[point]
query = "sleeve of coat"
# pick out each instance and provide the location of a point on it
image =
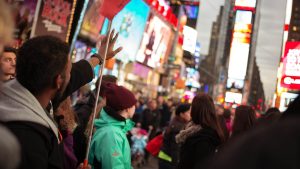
(81, 74)
(110, 154)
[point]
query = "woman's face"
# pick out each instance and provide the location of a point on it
(186, 116)
(131, 111)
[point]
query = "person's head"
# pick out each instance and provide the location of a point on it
(227, 114)
(170, 102)
(43, 65)
(8, 63)
(119, 99)
(6, 25)
(203, 113)
(160, 100)
(219, 110)
(183, 111)
(272, 114)
(244, 119)
(152, 104)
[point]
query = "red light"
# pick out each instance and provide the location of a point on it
(286, 27)
(244, 8)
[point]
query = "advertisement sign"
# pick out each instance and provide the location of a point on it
(130, 23)
(192, 78)
(238, 62)
(231, 97)
(243, 17)
(235, 84)
(286, 99)
(189, 39)
(191, 11)
(245, 3)
(93, 21)
(54, 18)
(155, 44)
(240, 46)
(291, 66)
(23, 12)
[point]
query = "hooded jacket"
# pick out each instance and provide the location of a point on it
(109, 147)
(198, 145)
(36, 132)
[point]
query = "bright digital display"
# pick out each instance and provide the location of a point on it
(235, 84)
(130, 23)
(191, 11)
(231, 97)
(245, 3)
(240, 46)
(243, 17)
(291, 66)
(238, 62)
(286, 99)
(93, 21)
(189, 39)
(192, 78)
(155, 44)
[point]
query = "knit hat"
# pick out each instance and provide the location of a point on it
(117, 97)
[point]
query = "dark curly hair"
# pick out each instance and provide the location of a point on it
(39, 61)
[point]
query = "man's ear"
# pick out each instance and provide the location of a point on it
(58, 82)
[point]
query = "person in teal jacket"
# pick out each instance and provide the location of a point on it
(109, 147)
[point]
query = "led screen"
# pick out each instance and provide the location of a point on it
(130, 23)
(189, 39)
(231, 97)
(245, 3)
(155, 44)
(93, 21)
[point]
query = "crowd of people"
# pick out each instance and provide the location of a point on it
(41, 128)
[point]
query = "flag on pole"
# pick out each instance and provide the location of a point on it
(110, 8)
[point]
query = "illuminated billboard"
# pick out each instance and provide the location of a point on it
(239, 55)
(93, 21)
(291, 66)
(232, 97)
(243, 17)
(130, 23)
(285, 99)
(189, 39)
(245, 3)
(155, 44)
(240, 46)
(238, 62)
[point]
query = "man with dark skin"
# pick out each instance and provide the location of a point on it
(44, 73)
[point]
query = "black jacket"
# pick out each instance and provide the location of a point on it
(170, 147)
(198, 149)
(38, 136)
(165, 115)
(275, 146)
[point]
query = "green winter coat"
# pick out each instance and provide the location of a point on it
(109, 147)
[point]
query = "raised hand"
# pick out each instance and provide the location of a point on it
(112, 40)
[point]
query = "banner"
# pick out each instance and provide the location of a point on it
(54, 18)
